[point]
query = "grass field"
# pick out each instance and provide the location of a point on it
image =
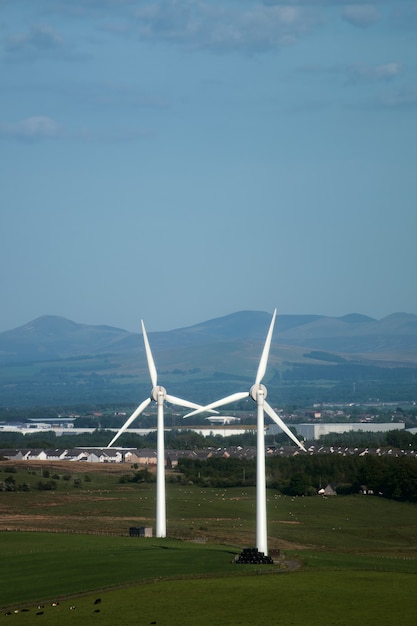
(342, 558)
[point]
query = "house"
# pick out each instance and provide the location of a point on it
(16, 455)
(330, 490)
(54, 455)
(146, 457)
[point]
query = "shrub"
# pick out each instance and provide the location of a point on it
(346, 489)
(46, 485)
(9, 484)
(143, 476)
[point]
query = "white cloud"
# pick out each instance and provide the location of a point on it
(31, 129)
(361, 15)
(359, 72)
(386, 71)
(404, 98)
(360, 76)
(41, 127)
(40, 41)
(206, 24)
(223, 28)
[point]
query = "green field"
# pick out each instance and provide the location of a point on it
(342, 558)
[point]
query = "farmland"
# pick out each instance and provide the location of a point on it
(71, 543)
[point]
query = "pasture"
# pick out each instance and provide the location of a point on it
(353, 558)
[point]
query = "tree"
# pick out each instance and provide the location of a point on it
(300, 485)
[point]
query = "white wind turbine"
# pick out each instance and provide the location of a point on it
(258, 393)
(159, 395)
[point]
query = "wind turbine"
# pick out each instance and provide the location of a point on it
(258, 393)
(159, 395)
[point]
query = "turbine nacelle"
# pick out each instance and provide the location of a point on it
(158, 393)
(257, 390)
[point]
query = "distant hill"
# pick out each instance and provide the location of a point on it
(52, 337)
(54, 358)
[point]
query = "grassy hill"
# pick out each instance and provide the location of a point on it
(351, 558)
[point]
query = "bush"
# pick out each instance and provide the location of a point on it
(9, 484)
(346, 489)
(143, 476)
(46, 485)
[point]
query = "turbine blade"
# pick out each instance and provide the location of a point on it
(186, 403)
(284, 427)
(265, 353)
(132, 418)
(149, 357)
(228, 400)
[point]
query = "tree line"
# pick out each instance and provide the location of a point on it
(303, 475)
(189, 440)
(174, 439)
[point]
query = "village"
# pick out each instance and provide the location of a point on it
(148, 457)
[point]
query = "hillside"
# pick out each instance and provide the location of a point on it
(53, 359)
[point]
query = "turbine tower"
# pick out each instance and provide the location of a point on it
(258, 393)
(159, 395)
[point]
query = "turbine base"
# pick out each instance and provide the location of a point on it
(252, 556)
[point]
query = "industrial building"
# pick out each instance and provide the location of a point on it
(310, 432)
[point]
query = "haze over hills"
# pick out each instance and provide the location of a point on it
(53, 357)
(57, 337)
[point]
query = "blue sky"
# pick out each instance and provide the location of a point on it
(181, 160)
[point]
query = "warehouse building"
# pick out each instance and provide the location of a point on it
(310, 432)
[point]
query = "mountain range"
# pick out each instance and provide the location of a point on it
(53, 359)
